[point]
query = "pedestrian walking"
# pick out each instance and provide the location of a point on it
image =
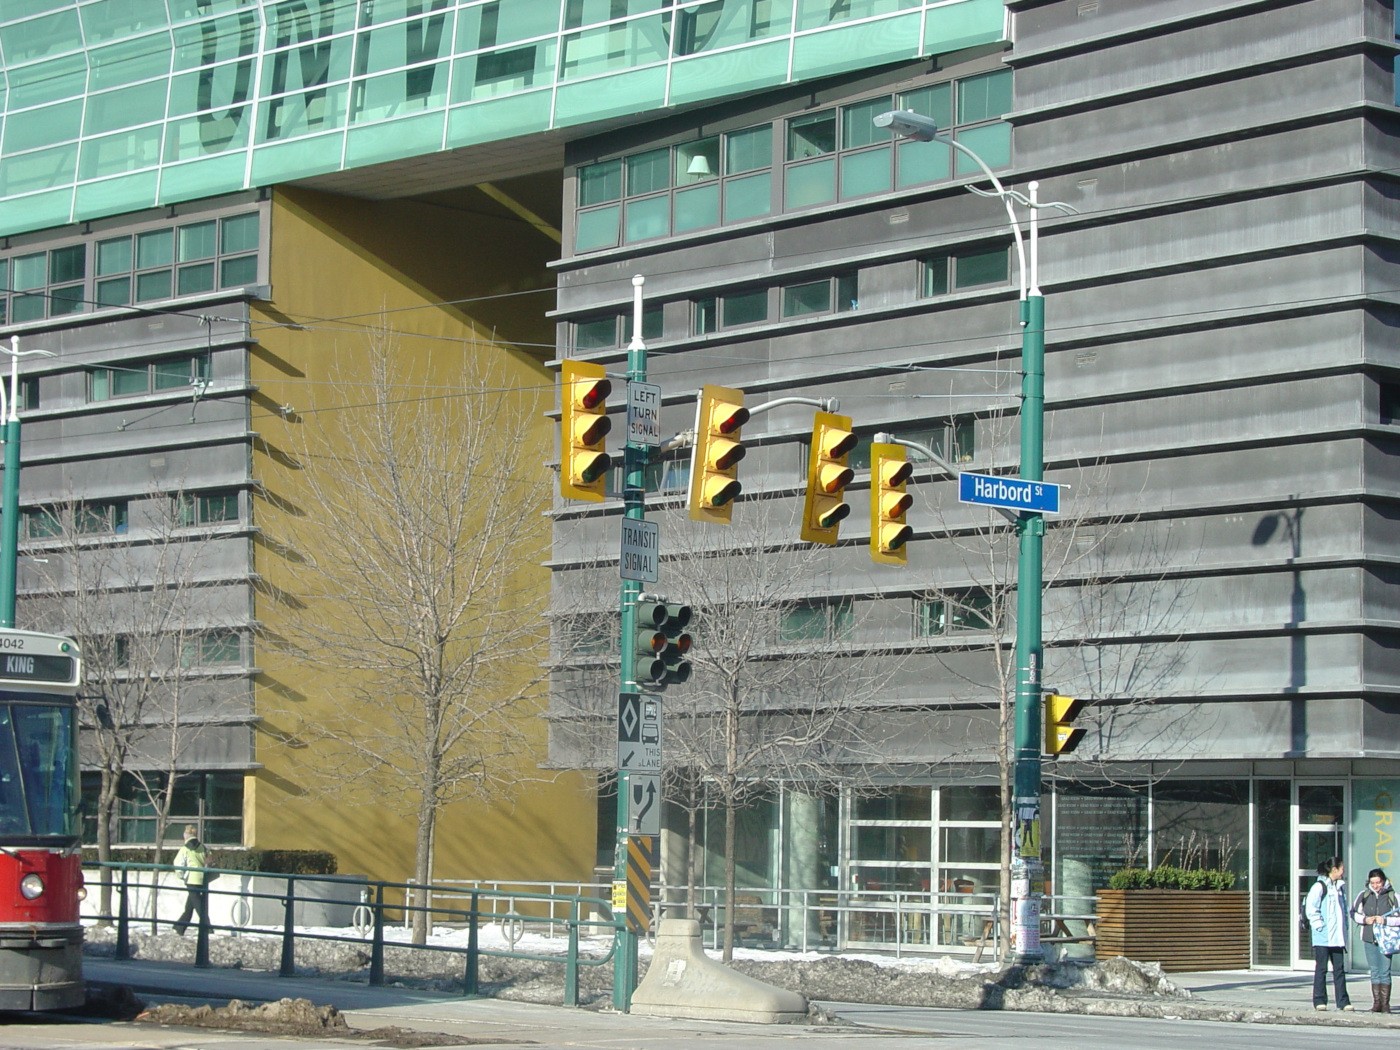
(1375, 912)
(1326, 910)
(192, 860)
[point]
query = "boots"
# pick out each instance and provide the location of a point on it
(1384, 997)
(1375, 998)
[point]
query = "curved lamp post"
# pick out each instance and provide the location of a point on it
(9, 498)
(1027, 874)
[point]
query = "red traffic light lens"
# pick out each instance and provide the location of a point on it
(595, 393)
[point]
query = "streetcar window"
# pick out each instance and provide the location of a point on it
(36, 775)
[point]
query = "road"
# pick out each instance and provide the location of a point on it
(488, 1023)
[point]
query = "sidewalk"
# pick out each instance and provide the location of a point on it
(1262, 996)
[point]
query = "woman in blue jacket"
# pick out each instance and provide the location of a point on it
(1326, 909)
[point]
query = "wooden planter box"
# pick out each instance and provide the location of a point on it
(1184, 930)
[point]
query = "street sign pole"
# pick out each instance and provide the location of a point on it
(1027, 872)
(635, 457)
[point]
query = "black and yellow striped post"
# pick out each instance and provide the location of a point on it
(641, 862)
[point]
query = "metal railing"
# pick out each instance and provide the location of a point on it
(137, 888)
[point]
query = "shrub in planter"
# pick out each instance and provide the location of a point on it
(1167, 877)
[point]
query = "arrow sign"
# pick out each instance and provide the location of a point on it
(643, 804)
(988, 490)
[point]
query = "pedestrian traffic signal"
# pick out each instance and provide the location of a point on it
(714, 469)
(584, 463)
(1060, 736)
(889, 473)
(661, 629)
(827, 478)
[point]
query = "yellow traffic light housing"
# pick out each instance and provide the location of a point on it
(827, 477)
(889, 473)
(1060, 736)
(584, 389)
(714, 469)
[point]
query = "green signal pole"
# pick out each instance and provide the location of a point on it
(9, 498)
(634, 508)
(1027, 871)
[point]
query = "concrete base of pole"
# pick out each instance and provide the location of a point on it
(683, 981)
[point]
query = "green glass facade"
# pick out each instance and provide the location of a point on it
(112, 106)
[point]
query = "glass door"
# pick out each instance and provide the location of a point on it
(1320, 828)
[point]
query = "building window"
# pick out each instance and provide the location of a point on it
(212, 802)
(92, 518)
(1389, 402)
(942, 273)
(217, 647)
(969, 610)
(953, 440)
(661, 477)
(691, 186)
(180, 259)
(828, 295)
(109, 652)
(207, 508)
(146, 377)
(611, 331)
(732, 310)
(816, 621)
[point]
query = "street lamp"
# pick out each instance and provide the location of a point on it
(9, 499)
(1027, 873)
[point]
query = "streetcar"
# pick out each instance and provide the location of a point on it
(41, 878)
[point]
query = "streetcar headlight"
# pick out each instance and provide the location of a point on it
(82, 893)
(31, 886)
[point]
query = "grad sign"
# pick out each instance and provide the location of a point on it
(989, 490)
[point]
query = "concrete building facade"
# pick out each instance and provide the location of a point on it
(218, 185)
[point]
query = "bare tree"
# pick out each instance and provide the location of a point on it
(419, 554)
(783, 676)
(132, 591)
(1114, 613)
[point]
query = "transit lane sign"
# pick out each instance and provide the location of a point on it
(639, 733)
(988, 490)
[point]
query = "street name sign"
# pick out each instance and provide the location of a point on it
(641, 544)
(988, 490)
(643, 414)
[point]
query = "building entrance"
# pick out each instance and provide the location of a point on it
(1320, 833)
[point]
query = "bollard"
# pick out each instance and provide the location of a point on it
(289, 911)
(571, 962)
(472, 980)
(123, 921)
(376, 948)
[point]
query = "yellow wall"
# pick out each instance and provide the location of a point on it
(336, 263)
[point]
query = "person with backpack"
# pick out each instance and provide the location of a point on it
(1326, 909)
(191, 862)
(1372, 911)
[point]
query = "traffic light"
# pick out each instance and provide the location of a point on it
(584, 393)
(827, 478)
(1061, 737)
(649, 669)
(662, 644)
(714, 469)
(889, 473)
